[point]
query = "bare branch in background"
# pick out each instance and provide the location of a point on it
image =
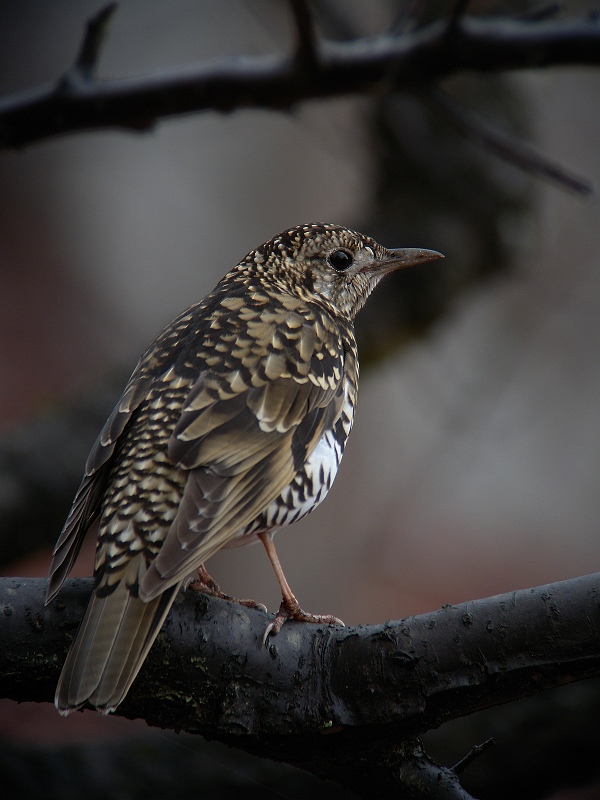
(307, 54)
(97, 28)
(459, 11)
(516, 152)
(364, 66)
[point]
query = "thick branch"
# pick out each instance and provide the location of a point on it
(370, 688)
(362, 66)
(412, 674)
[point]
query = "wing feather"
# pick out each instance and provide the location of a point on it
(86, 505)
(242, 451)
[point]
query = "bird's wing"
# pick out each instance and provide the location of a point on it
(86, 505)
(243, 436)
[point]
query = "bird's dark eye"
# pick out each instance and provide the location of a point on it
(340, 260)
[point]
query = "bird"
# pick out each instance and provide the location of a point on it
(232, 425)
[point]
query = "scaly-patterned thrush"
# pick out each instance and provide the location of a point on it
(232, 425)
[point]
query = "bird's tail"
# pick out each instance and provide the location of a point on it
(113, 640)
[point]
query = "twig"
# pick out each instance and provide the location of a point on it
(542, 12)
(518, 153)
(474, 753)
(307, 55)
(459, 10)
(96, 30)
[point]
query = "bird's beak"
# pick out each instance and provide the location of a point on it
(404, 257)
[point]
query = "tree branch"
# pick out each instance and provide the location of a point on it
(97, 28)
(372, 689)
(387, 62)
(307, 53)
(518, 153)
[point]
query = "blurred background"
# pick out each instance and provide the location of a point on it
(473, 466)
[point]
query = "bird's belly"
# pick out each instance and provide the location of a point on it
(309, 488)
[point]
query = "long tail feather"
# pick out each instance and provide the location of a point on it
(111, 645)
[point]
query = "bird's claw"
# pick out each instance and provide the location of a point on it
(291, 610)
(207, 585)
(249, 604)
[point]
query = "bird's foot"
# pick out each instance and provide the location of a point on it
(207, 585)
(290, 609)
(204, 583)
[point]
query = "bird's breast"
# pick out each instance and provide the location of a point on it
(312, 482)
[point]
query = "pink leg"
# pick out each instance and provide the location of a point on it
(289, 608)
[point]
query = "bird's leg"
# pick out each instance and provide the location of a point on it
(289, 608)
(206, 584)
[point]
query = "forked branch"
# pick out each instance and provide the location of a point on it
(388, 62)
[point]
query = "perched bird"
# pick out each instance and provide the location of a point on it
(232, 425)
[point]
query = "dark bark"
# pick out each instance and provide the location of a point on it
(370, 689)
(319, 69)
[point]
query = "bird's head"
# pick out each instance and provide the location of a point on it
(329, 263)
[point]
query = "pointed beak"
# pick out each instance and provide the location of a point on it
(405, 257)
